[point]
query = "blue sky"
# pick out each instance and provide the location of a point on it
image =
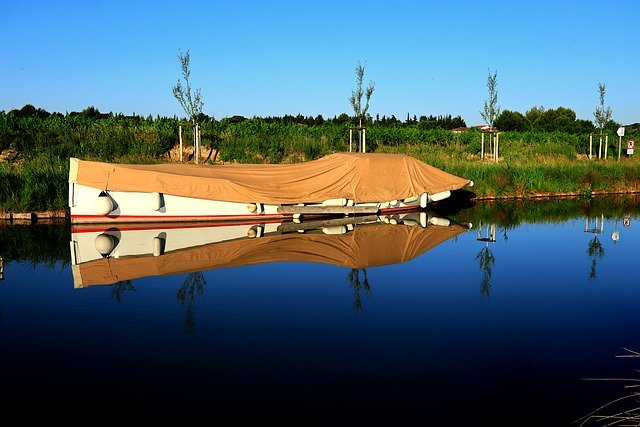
(271, 58)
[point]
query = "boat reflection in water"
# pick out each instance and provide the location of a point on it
(108, 255)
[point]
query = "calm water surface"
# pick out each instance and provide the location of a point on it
(516, 321)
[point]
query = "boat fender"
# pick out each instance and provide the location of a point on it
(337, 229)
(335, 202)
(255, 231)
(296, 217)
(350, 227)
(159, 244)
(423, 219)
(410, 222)
(393, 221)
(350, 202)
(252, 207)
(439, 221)
(103, 204)
(157, 201)
(424, 199)
(105, 244)
(439, 196)
(410, 200)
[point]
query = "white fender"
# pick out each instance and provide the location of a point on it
(335, 202)
(439, 221)
(105, 244)
(103, 204)
(159, 244)
(338, 229)
(156, 201)
(439, 196)
(410, 200)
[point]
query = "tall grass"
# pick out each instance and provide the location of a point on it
(529, 163)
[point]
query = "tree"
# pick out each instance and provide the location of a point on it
(491, 107)
(357, 94)
(602, 115)
(191, 103)
(511, 121)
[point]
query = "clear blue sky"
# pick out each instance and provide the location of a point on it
(271, 58)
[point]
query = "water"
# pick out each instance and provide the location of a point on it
(516, 321)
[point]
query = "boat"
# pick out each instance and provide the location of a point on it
(337, 184)
(103, 254)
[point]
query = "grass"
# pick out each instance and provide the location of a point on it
(527, 167)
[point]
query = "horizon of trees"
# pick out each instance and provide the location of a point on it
(535, 119)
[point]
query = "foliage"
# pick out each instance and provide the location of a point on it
(356, 95)
(602, 114)
(191, 103)
(491, 108)
(539, 159)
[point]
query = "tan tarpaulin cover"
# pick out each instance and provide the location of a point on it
(362, 177)
(363, 247)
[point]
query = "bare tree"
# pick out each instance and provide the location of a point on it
(357, 94)
(191, 103)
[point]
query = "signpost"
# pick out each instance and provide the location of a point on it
(620, 135)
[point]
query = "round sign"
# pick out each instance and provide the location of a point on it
(631, 144)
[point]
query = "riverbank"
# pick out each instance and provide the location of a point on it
(61, 215)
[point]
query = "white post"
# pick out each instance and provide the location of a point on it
(600, 148)
(180, 136)
(350, 138)
(590, 144)
(364, 140)
(482, 148)
(619, 146)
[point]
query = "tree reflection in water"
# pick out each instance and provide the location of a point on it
(486, 260)
(193, 284)
(485, 257)
(117, 290)
(595, 250)
(353, 277)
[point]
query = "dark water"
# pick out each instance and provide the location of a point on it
(516, 321)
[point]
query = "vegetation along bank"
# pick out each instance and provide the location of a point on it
(543, 153)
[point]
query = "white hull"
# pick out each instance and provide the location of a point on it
(91, 243)
(92, 205)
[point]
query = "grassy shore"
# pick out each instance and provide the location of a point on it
(39, 186)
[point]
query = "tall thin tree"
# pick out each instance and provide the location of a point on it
(602, 115)
(190, 102)
(360, 92)
(491, 108)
